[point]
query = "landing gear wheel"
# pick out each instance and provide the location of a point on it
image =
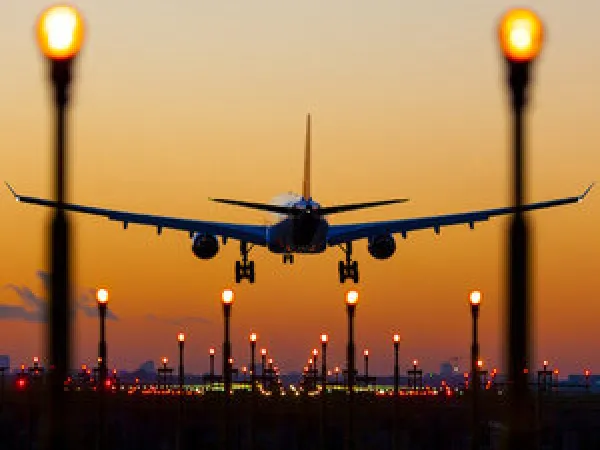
(288, 258)
(348, 269)
(244, 269)
(251, 272)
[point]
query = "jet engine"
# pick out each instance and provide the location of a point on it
(382, 247)
(205, 246)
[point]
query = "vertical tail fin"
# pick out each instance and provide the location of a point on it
(306, 181)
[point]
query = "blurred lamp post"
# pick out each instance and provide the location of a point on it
(324, 340)
(351, 301)
(227, 299)
(181, 341)
(60, 35)
(520, 34)
(102, 300)
(165, 369)
(396, 366)
(253, 338)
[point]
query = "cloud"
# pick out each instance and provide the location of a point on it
(179, 321)
(34, 307)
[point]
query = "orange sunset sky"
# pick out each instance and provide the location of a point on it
(175, 102)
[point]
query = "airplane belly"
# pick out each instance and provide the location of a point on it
(293, 236)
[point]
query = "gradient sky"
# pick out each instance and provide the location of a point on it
(178, 101)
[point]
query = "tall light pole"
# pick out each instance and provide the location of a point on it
(102, 300)
(351, 301)
(396, 366)
(227, 299)
(211, 365)
(60, 35)
(263, 360)
(520, 34)
(475, 301)
(181, 341)
(366, 356)
(253, 338)
(315, 354)
(324, 340)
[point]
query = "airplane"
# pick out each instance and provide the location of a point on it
(303, 227)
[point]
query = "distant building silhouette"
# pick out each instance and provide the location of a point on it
(148, 367)
(446, 369)
(4, 361)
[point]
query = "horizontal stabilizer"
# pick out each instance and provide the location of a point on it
(259, 206)
(355, 206)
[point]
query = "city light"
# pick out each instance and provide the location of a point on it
(366, 352)
(315, 352)
(396, 338)
(253, 337)
(521, 35)
(211, 351)
(181, 337)
(263, 351)
(324, 338)
(60, 32)
(165, 360)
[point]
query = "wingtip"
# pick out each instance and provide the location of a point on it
(12, 191)
(587, 191)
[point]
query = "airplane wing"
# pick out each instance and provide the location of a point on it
(255, 234)
(339, 234)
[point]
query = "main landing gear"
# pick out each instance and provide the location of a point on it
(288, 258)
(348, 269)
(244, 269)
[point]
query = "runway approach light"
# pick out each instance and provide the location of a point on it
(227, 296)
(521, 34)
(475, 298)
(352, 298)
(102, 296)
(60, 32)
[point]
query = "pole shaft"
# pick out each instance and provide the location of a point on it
(227, 351)
(181, 372)
(396, 368)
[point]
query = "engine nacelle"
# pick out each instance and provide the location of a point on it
(205, 246)
(382, 247)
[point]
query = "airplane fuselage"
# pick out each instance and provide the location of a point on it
(304, 232)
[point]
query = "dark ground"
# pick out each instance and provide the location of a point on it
(290, 422)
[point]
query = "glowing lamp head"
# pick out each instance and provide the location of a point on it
(480, 363)
(211, 351)
(263, 351)
(165, 360)
(315, 352)
(545, 363)
(310, 361)
(352, 298)
(415, 362)
(102, 296)
(366, 352)
(475, 298)
(60, 32)
(555, 371)
(324, 338)
(521, 34)
(181, 337)
(230, 360)
(253, 337)
(227, 297)
(586, 372)
(270, 361)
(337, 369)
(396, 338)
(36, 359)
